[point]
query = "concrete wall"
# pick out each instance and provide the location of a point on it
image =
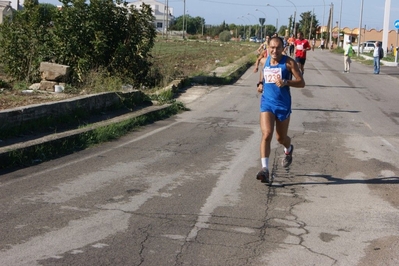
(20, 117)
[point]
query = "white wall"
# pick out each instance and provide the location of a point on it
(14, 3)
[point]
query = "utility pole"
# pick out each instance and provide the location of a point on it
(294, 16)
(360, 27)
(184, 15)
(339, 27)
(167, 18)
(331, 22)
(324, 12)
(311, 25)
(385, 31)
(164, 23)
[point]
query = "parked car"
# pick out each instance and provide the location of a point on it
(252, 39)
(365, 47)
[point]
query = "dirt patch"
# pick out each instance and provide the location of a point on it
(13, 99)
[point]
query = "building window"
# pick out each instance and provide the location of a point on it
(159, 24)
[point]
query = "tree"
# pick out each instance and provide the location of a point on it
(216, 30)
(193, 24)
(307, 20)
(196, 25)
(225, 36)
(282, 30)
(270, 30)
(26, 41)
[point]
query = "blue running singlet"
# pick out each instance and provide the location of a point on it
(275, 99)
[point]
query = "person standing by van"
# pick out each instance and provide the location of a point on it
(378, 54)
(347, 57)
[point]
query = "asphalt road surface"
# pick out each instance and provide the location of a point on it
(182, 191)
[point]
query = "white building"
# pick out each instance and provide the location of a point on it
(17, 4)
(5, 10)
(162, 18)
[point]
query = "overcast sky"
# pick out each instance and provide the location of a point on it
(231, 11)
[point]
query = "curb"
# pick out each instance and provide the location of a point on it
(386, 63)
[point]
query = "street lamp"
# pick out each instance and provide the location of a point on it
(278, 15)
(249, 23)
(339, 26)
(261, 32)
(324, 11)
(249, 14)
(294, 16)
(244, 28)
(261, 12)
(184, 15)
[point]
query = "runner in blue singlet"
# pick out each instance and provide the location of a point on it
(274, 83)
(275, 99)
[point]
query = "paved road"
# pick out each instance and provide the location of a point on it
(183, 192)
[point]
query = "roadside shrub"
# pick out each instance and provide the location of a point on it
(86, 36)
(225, 36)
(99, 81)
(4, 84)
(26, 41)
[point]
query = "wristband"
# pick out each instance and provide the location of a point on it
(259, 83)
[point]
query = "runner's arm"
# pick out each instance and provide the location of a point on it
(259, 50)
(308, 47)
(298, 82)
(257, 62)
(260, 86)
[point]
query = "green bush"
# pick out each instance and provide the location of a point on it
(84, 36)
(225, 36)
(26, 41)
(4, 84)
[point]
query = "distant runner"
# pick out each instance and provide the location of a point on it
(301, 46)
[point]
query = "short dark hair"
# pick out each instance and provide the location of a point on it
(277, 38)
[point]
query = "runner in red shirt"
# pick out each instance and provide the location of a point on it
(301, 46)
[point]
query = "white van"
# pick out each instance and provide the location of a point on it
(365, 47)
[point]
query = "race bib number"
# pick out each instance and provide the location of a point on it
(299, 47)
(271, 75)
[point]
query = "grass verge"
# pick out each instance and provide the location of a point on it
(363, 60)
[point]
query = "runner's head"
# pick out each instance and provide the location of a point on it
(276, 48)
(299, 35)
